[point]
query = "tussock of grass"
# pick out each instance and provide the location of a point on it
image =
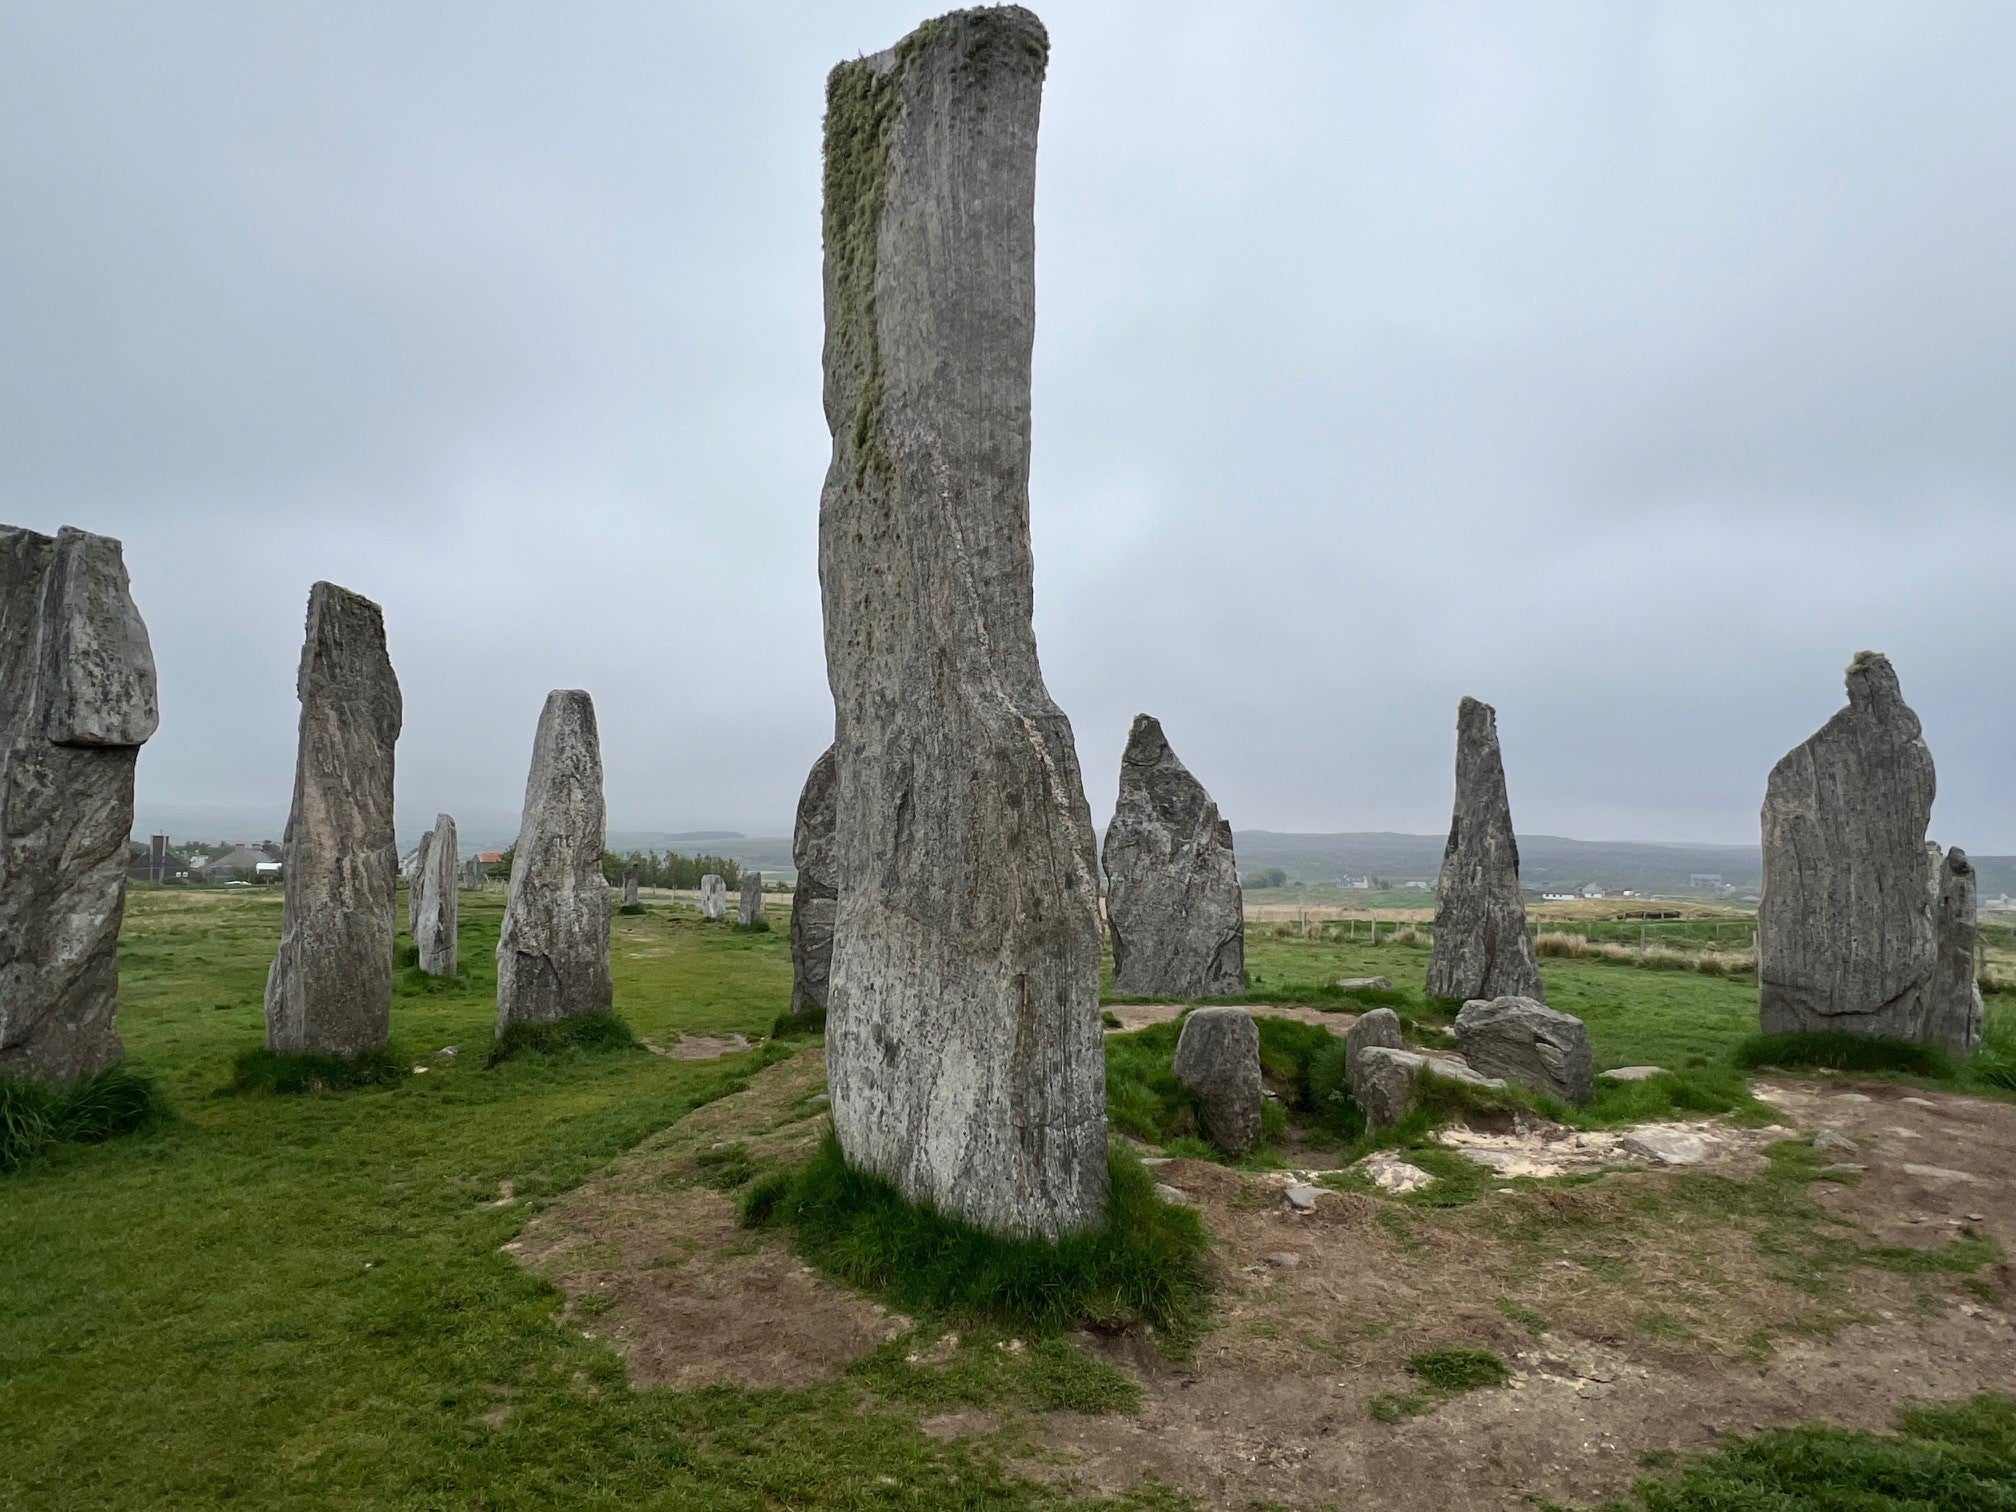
(760, 926)
(986, 1368)
(90, 1110)
(585, 1032)
(1845, 1052)
(810, 1023)
(1952, 1458)
(262, 1070)
(1145, 1266)
(1724, 963)
(630, 909)
(1443, 1373)
(726, 1168)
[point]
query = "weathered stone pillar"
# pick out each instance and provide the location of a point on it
(630, 887)
(77, 701)
(749, 910)
(1844, 932)
(1953, 1012)
(416, 888)
(1173, 905)
(553, 954)
(963, 1037)
(438, 916)
(813, 899)
(713, 897)
(1481, 949)
(330, 989)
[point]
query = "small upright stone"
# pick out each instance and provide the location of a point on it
(813, 899)
(1380, 1029)
(713, 897)
(1481, 949)
(330, 989)
(630, 875)
(749, 912)
(553, 955)
(438, 915)
(1173, 905)
(1530, 1044)
(1844, 932)
(77, 700)
(1218, 1058)
(1953, 1012)
(963, 1043)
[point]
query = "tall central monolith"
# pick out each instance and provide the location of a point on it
(963, 1034)
(330, 989)
(553, 952)
(1481, 949)
(437, 906)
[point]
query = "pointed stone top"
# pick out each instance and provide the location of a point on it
(1472, 710)
(1872, 680)
(100, 664)
(1146, 744)
(444, 821)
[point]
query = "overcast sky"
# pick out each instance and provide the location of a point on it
(1628, 366)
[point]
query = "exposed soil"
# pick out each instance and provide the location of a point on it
(1639, 1310)
(1141, 1015)
(700, 1046)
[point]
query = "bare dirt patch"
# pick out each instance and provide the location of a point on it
(700, 1046)
(652, 1260)
(1141, 1015)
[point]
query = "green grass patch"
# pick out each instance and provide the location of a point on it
(1958, 1457)
(727, 1167)
(1846, 1052)
(262, 1070)
(1145, 1266)
(987, 1368)
(585, 1033)
(90, 1110)
(1443, 1373)
(808, 1023)
(630, 910)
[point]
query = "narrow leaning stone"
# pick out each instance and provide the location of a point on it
(1953, 1012)
(963, 1036)
(813, 900)
(77, 700)
(1173, 905)
(330, 989)
(1844, 931)
(553, 954)
(439, 914)
(416, 888)
(749, 909)
(713, 897)
(1481, 949)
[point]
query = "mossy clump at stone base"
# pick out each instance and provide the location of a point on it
(631, 909)
(1144, 1266)
(807, 1023)
(264, 1070)
(1845, 1052)
(583, 1032)
(89, 1110)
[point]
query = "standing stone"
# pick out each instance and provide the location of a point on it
(713, 897)
(330, 989)
(1173, 905)
(1844, 932)
(813, 900)
(630, 887)
(77, 701)
(1481, 949)
(963, 1040)
(1953, 1017)
(472, 874)
(414, 890)
(1379, 1029)
(749, 915)
(553, 955)
(1530, 1044)
(1218, 1058)
(438, 916)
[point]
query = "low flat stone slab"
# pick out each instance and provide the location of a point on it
(1172, 1196)
(1665, 1147)
(1302, 1198)
(1364, 984)
(1390, 1173)
(1631, 1073)
(1939, 1173)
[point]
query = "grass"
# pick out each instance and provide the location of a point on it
(90, 1110)
(1959, 1457)
(1145, 1266)
(989, 1368)
(262, 1070)
(1443, 1373)
(807, 1023)
(585, 1033)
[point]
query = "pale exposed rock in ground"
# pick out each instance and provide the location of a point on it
(1631, 1073)
(1390, 1173)
(330, 989)
(1953, 1006)
(1481, 949)
(1365, 984)
(713, 897)
(77, 700)
(437, 905)
(553, 954)
(1173, 904)
(1529, 1044)
(1666, 1146)
(749, 912)
(1844, 933)
(1218, 1058)
(964, 1032)
(1302, 1198)
(1383, 1081)
(813, 901)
